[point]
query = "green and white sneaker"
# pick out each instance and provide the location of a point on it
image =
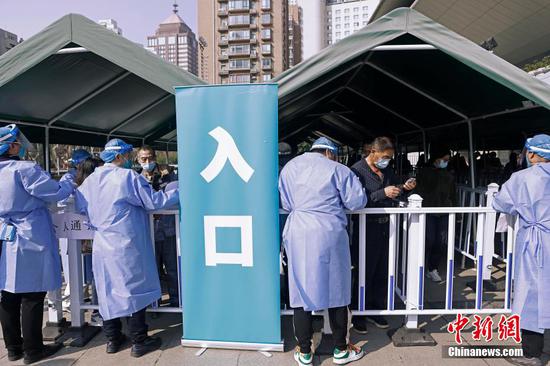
(352, 353)
(303, 358)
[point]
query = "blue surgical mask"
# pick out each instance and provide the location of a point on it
(443, 164)
(149, 167)
(127, 164)
(22, 152)
(382, 163)
(528, 161)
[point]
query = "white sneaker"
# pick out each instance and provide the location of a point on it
(352, 353)
(434, 276)
(303, 359)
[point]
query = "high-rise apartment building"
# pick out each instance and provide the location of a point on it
(111, 25)
(294, 33)
(175, 42)
(345, 17)
(246, 41)
(8, 40)
(203, 59)
(313, 26)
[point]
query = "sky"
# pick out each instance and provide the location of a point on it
(137, 18)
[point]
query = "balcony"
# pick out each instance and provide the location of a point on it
(222, 42)
(239, 54)
(266, 20)
(254, 70)
(267, 66)
(223, 57)
(253, 26)
(239, 25)
(238, 40)
(253, 40)
(239, 68)
(222, 28)
(253, 54)
(222, 12)
(222, 1)
(266, 36)
(266, 52)
(224, 72)
(253, 11)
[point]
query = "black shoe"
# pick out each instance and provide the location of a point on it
(150, 344)
(47, 351)
(379, 321)
(360, 328)
(15, 354)
(113, 346)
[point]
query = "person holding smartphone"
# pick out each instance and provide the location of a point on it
(383, 189)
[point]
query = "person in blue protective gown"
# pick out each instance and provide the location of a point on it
(527, 195)
(117, 201)
(29, 262)
(316, 190)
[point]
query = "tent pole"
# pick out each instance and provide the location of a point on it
(47, 149)
(425, 146)
(471, 154)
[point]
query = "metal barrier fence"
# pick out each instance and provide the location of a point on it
(406, 269)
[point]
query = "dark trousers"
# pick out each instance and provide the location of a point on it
(436, 238)
(376, 266)
(532, 343)
(22, 312)
(303, 327)
(136, 327)
(167, 257)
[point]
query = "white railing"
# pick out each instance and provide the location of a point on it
(406, 243)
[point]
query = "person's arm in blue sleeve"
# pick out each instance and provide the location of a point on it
(80, 203)
(351, 190)
(142, 194)
(504, 200)
(39, 184)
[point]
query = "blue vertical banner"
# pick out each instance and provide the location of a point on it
(228, 162)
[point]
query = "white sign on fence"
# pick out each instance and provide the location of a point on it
(72, 226)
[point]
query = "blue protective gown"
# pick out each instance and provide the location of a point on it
(117, 202)
(31, 262)
(316, 191)
(527, 194)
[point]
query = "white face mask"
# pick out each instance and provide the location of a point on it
(382, 163)
(149, 167)
(442, 164)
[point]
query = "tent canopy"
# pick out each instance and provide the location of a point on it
(87, 84)
(409, 77)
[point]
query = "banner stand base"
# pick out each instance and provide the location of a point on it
(262, 347)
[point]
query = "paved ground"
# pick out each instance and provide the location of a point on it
(377, 344)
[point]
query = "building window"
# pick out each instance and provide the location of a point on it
(266, 33)
(266, 77)
(266, 18)
(346, 33)
(356, 24)
(346, 11)
(364, 23)
(239, 4)
(338, 34)
(239, 19)
(338, 12)
(172, 40)
(266, 48)
(356, 10)
(266, 62)
(346, 18)
(338, 26)
(237, 35)
(239, 49)
(239, 78)
(239, 64)
(162, 41)
(365, 16)
(338, 19)
(356, 17)
(266, 4)
(365, 8)
(346, 25)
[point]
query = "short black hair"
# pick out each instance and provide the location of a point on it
(382, 144)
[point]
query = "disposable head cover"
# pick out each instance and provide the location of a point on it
(113, 148)
(325, 144)
(10, 134)
(540, 145)
(78, 156)
(284, 148)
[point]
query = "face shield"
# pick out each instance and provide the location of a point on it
(10, 135)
